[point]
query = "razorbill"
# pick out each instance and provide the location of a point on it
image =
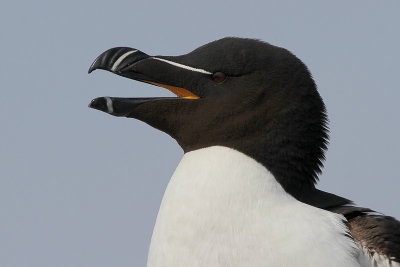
(254, 130)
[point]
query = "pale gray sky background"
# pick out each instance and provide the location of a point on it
(81, 188)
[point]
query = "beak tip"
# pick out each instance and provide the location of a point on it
(99, 104)
(93, 67)
(92, 103)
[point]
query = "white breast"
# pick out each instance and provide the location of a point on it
(222, 208)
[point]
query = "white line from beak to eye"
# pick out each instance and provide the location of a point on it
(110, 108)
(182, 66)
(119, 60)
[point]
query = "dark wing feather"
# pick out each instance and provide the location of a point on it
(376, 233)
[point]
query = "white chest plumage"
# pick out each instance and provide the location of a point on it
(222, 208)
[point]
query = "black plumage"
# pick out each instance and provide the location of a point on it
(266, 105)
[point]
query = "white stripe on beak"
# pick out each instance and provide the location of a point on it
(182, 66)
(110, 108)
(119, 60)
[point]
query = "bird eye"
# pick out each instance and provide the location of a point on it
(218, 77)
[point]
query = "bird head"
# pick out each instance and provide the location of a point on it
(244, 94)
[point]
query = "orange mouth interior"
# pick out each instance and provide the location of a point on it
(180, 92)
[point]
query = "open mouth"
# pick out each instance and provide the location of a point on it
(134, 64)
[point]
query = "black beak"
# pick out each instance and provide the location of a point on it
(134, 64)
(119, 60)
(116, 60)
